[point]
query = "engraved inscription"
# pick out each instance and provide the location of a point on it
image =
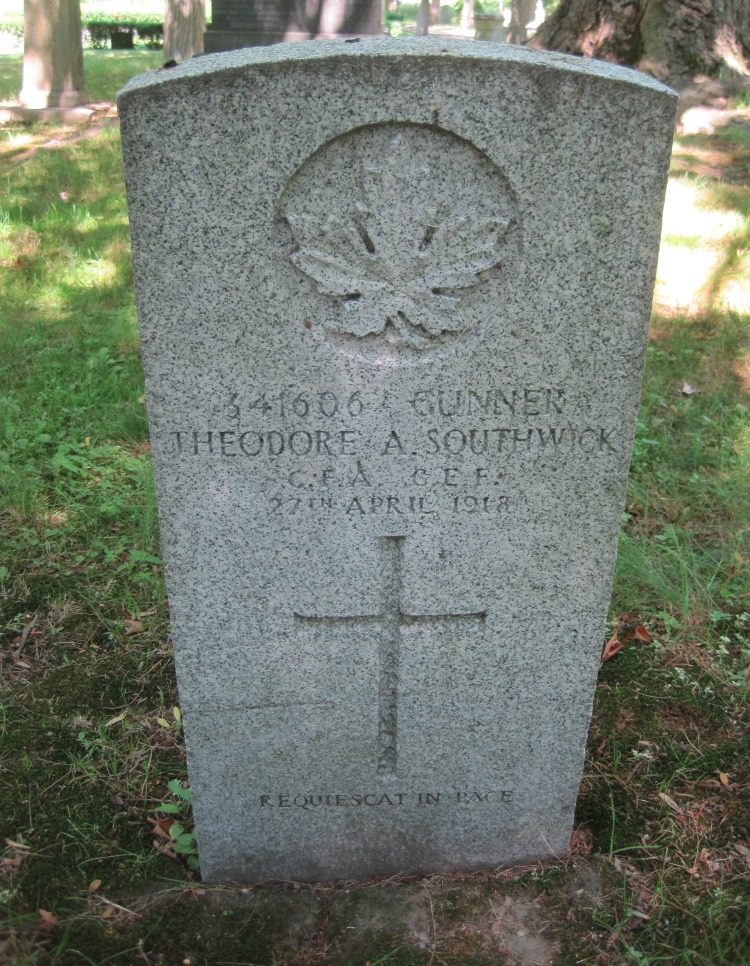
(391, 618)
(348, 442)
(296, 402)
(396, 252)
(308, 802)
(481, 402)
(506, 401)
(453, 452)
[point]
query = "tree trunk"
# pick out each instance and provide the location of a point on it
(434, 12)
(521, 12)
(184, 25)
(53, 56)
(671, 39)
(423, 18)
(467, 15)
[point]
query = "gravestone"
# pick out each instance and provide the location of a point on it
(394, 300)
(52, 56)
(250, 23)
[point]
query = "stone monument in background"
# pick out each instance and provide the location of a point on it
(252, 23)
(52, 55)
(394, 299)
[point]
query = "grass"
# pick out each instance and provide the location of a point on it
(106, 71)
(89, 713)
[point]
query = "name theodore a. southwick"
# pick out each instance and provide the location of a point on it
(351, 442)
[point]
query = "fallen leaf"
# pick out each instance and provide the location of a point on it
(114, 720)
(671, 802)
(165, 850)
(601, 747)
(48, 917)
(16, 845)
(613, 645)
(133, 627)
(687, 389)
(160, 830)
(639, 915)
(95, 885)
(177, 715)
(723, 778)
(163, 722)
(641, 634)
(108, 912)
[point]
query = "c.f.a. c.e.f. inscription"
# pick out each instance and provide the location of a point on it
(399, 227)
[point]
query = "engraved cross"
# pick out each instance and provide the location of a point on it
(390, 618)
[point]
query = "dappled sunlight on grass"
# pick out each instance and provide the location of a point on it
(65, 264)
(86, 225)
(105, 71)
(21, 140)
(11, 68)
(741, 371)
(735, 283)
(704, 263)
(696, 239)
(97, 271)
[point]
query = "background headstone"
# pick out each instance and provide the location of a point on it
(394, 300)
(250, 23)
(490, 27)
(53, 55)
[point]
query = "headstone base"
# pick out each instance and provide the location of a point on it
(18, 114)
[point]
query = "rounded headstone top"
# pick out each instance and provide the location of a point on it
(386, 47)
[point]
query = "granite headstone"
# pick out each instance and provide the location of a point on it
(394, 300)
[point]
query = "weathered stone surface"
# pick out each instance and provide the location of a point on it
(250, 23)
(52, 56)
(393, 298)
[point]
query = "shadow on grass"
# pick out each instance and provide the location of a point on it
(719, 166)
(64, 248)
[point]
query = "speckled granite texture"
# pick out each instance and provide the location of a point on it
(393, 297)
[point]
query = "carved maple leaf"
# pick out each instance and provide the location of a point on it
(395, 260)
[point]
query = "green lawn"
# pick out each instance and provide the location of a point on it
(89, 715)
(106, 71)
